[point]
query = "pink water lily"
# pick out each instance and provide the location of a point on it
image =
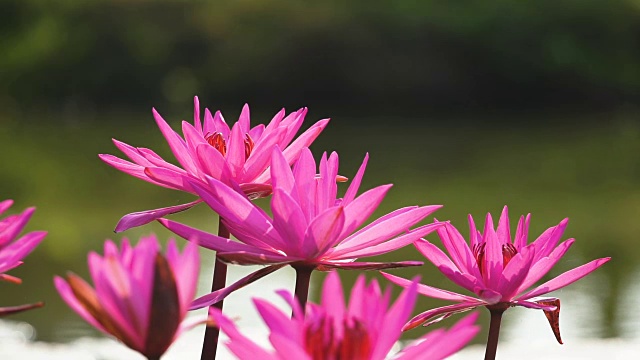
(497, 268)
(238, 155)
(365, 329)
(141, 296)
(13, 249)
(311, 228)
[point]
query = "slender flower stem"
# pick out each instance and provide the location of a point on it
(494, 330)
(303, 278)
(210, 343)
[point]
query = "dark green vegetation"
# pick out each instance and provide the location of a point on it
(358, 55)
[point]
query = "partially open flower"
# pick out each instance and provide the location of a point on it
(13, 250)
(141, 296)
(498, 269)
(238, 155)
(364, 329)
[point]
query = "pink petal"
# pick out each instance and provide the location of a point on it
(256, 258)
(217, 296)
(387, 246)
(458, 250)
(67, 295)
(169, 178)
(565, 279)
(355, 182)
(504, 232)
(277, 321)
(360, 209)
(386, 229)
(394, 320)
(144, 217)
(208, 240)
(534, 305)
(522, 232)
(289, 221)
(542, 266)
(323, 231)
(428, 290)
(176, 143)
(328, 265)
(438, 314)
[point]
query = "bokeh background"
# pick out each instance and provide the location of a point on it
(470, 104)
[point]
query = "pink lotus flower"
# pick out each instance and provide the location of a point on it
(497, 269)
(141, 296)
(12, 251)
(365, 329)
(239, 155)
(310, 228)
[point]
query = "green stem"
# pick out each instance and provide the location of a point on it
(211, 335)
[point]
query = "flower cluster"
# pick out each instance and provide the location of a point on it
(141, 296)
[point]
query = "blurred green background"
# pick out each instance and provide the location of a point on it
(470, 104)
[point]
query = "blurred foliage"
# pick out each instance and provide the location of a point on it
(412, 54)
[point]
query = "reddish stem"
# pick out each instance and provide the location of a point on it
(494, 330)
(211, 335)
(303, 278)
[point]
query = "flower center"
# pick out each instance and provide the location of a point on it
(219, 143)
(322, 343)
(508, 252)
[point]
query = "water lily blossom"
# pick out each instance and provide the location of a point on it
(140, 295)
(498, 269)
(13, 249)
(238, 155)
(365, 329)
(310, 228)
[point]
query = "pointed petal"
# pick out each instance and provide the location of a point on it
(355, 182)
(387, 246)
(176, 143)
(256, 258)
(565, 279)
(217, 296)
(429, 291)
(208, 240)
(504, 232)
(144, 217)
(359, 210)
(438, 314)
(542, 266)
(389, 228)
(328, 265)
(10, 310)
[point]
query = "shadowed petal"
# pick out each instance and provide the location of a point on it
(217, 296)
(326, 265)
(438, 314)
(9, 310)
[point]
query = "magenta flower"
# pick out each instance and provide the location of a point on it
(237, 155)
(141, 296)
(13, 250)
(310, 228)
(365, 329)
(499, 270)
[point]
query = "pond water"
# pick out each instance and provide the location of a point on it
(587, 170)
